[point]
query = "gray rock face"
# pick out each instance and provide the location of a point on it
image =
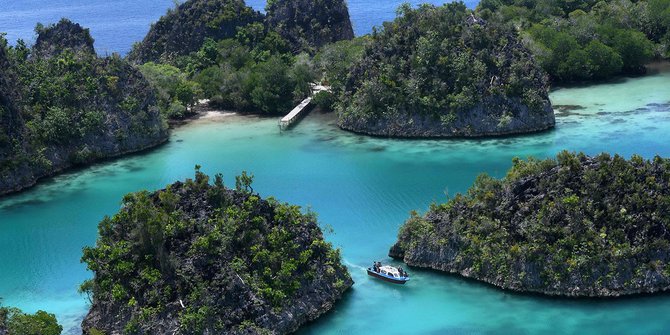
(508, 117)
(223, 279)
(567, 229)
(65, 35)
(310, 24)
(184, 29)
(438, 71)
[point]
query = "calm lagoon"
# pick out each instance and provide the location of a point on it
(363, 188)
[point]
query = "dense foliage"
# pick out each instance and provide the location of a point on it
(14, 322)
(571, 226)
(334, 61)
(255, 72)
(175, 92)
(69, 36)
(184, 29)
(259, 65)
(200, 258)
(447, 68)
(310, 24)
(587, 39)
(65, 106)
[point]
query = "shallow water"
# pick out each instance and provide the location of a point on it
(117, 24)
(362, 187)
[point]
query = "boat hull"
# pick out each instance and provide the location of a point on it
(388, 279)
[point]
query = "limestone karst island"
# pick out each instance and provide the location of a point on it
(205, 167)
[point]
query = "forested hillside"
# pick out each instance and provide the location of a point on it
(443, 72)
(62, 105)
(588, 40)
(570, 226)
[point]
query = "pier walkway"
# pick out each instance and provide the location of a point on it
(300, 110)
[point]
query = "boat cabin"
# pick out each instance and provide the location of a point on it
(388, 273)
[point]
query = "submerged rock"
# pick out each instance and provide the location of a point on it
(442, 72)
(576, 226)
(310, 24)
(201, 259)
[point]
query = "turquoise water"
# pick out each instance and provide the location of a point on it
(117, 24)
(362, 187)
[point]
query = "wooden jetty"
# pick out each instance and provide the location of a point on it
(300, 110)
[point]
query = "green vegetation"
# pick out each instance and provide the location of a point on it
(68, 106)
(310, 24)
(575, 226)
(253, 73)
(260, 65)
(587, 39)
(203, 258)
(334, 61)
(175, 92)
(14, 322)
(440, 71)
(185, 28)
(58, 92)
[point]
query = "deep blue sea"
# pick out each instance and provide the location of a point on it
(117, 24)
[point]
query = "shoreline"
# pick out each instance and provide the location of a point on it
(78, 167)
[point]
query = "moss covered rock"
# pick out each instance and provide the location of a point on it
(66, 35)
(196, 258)
(62, 106)
(310, 24)
(574, 226)
(184, 29)
(443, 72)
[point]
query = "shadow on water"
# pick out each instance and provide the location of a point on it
(71, 175)
(432, 278)
(595, 301)
(346, 300)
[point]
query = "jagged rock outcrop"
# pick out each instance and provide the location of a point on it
(576, 226)
(66, 35)
(442, 72)
(201, 259)
(310, 24)
(64, 106)
(184, 29)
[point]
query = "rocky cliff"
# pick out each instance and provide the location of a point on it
(310, 24)
(11, 122)
(443, 72)
(201, 259)
(66, 35)
(575, 226)
(184, 29)
(63, 106)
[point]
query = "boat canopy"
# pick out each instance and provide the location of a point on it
(390, 270)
